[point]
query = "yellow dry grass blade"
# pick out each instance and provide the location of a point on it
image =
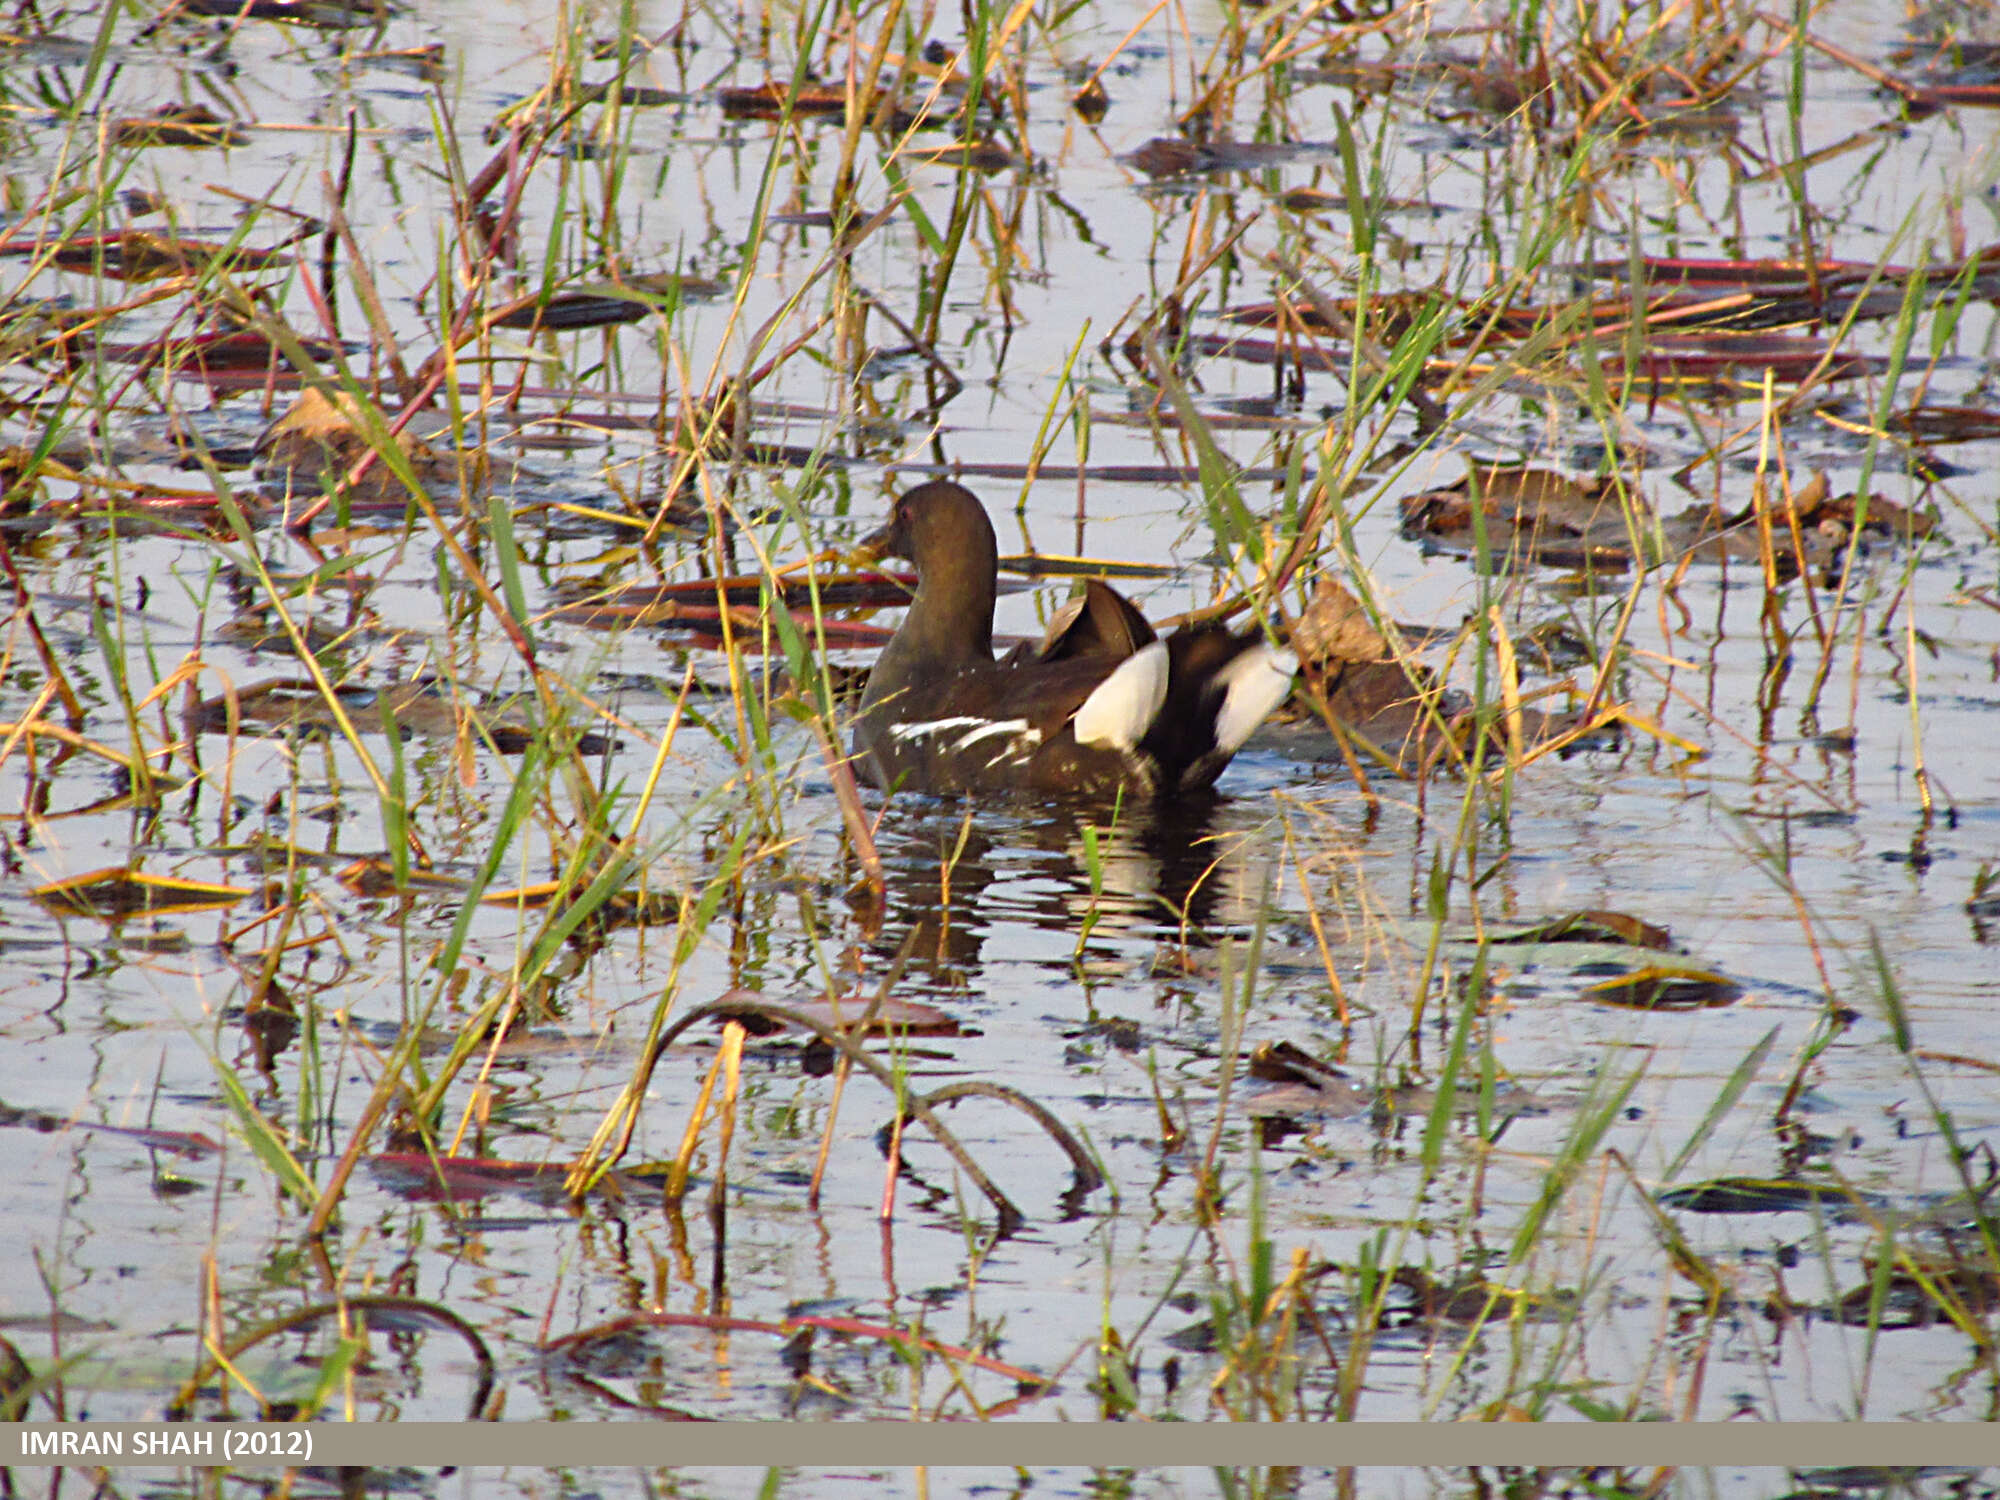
(121, 891)
(1053, 565)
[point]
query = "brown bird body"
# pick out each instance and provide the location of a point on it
(1102, 706)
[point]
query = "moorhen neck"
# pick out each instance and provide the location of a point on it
(1102, 706)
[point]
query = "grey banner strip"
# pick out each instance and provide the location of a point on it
(897, 1445)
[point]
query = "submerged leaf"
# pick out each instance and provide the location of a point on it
(122, 890)
(189, 1143)
(1760, 1195)
(418, 1176)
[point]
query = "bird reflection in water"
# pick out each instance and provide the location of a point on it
(957, 873)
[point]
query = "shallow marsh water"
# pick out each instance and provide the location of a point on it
(1106, 986)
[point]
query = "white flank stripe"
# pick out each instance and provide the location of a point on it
(1016, 752)
(992, 727)
(1257, 682)
(1122, 708)
(938, 726)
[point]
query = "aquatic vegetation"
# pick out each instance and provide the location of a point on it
(433, 463)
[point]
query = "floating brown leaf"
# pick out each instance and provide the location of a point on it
(323, 14)
(576, 1347)
(1808, 531)
(1947, 424)
(689, 607)
(890, 1015)
(769, 101)
(425, 62)
(1919, 1295)
(978, 156)
(1467, 1299)
(417, 1176)
(1174, 156)
(1538, 514)
(1335, 628)
(210, 354)
(1301, 1085)
(140, 255)
(1397, 717)
(1723, 272)
(1387, 317)
(423, 707)
(1165, 156)
(1592, 925)
(1762, 1195)
(621, 906)
(1968, 95)
(1659, 987)
(180, 1142)
(1714, 357)
(626, 301)
(176, 125)
(321, 438)
(702, 625)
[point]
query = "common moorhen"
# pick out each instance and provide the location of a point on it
(1101, 706)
